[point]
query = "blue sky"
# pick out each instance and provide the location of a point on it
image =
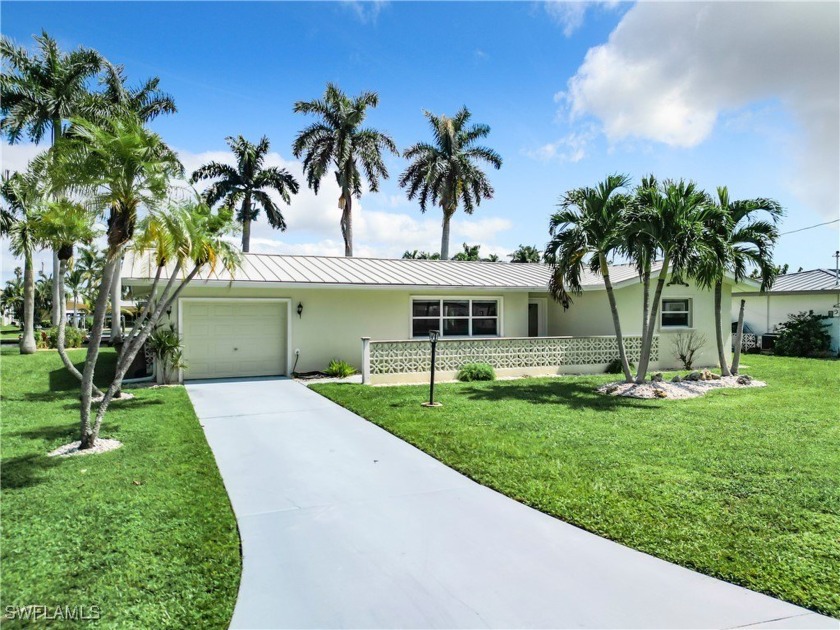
(738, 94)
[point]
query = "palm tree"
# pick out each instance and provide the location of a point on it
(739, 243)
(75, 282)
(338, 140)
(526, 254)
(21, 197)
(11, 299)
(119, 166)
(63, 224)
(447, 172)
(182, 239)
(39, 93)
(420, 255)
(248, 184)
(589, 223)
(147, 101)
(469, 252)
(673, 223)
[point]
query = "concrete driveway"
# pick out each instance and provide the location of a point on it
(345, 526)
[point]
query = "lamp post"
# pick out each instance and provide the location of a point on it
(433, 339)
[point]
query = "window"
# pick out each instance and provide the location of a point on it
(676, 313)
(455, 317)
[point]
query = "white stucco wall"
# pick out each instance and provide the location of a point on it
(589, 314)
(764, 312)
(334, 320)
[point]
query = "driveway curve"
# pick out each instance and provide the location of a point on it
(344, 525)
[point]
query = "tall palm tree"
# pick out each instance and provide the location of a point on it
(62, 225)
(338, 140)
(22, 198)
(248, 184)
(674, 224)
(39, 93)
(11, 299)
(447, 172)
(740, 243)
(146, 100)
(75, 282)
(119, 166)
(585, 231)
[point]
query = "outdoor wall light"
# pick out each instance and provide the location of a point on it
(300, 309)
(169, 311)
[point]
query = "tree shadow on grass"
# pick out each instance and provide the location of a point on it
(25, 471)
(572, 395)
(60, 380)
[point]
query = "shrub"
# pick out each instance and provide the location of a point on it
(88, 322)
(339, 369)
(686, 347)
(48, 337)
(614, 367)
(803, 335)
(476, 372)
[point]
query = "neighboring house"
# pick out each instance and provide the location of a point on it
(817, 290)
(280, 314)
(75, 313)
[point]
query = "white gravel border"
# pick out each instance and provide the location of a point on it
(103, 445)
(681, 390)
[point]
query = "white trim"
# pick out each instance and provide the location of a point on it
(690, 312)
(542, 315)
(480, 298)
(288, 302)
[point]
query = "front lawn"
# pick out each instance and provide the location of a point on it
(146, 532)
(741, 484)
(9, 333)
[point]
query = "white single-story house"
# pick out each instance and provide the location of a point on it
(816, 290)
(280, 314)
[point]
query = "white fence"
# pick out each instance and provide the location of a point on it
(504, 353)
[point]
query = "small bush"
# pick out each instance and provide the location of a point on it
(476, 372)
(48, 338)
(614, 367)
(686, 347)
(803, 335)
(88, 322)
(339, 369)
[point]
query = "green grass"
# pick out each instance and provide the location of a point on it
(9, 333)
(743, 485)
(145, 532)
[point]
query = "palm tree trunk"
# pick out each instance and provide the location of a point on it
(647, 340)
(724, 369)
(444, 237)
(57, 313)
(347, 223)
(27, 341)
(246, 224)
(739, 339)
(75, 308)
(60, 337)
(645, 299)
(87, 438)
(619, 339)
(116, 306)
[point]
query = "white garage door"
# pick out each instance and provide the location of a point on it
(234, 338)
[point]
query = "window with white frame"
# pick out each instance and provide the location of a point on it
(676, 313)
(456, 317)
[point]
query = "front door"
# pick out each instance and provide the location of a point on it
(533, 319)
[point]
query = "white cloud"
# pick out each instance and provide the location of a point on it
(570, 148)
(367, 11)
(570, 15)
(670, 70)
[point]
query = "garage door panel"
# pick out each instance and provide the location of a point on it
(234, 339)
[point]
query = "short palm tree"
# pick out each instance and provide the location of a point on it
(22, 198)
(740, 243)
(119, 166)
(674, 226)
(339, 141)
(61, 226)
(447, 172)
(585, 231)
(11, 298)
(248, 184)
(39, 93)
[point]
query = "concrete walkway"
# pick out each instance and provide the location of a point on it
(345, 526)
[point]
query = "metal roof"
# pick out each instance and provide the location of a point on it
(378, 272)
(813, 280)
